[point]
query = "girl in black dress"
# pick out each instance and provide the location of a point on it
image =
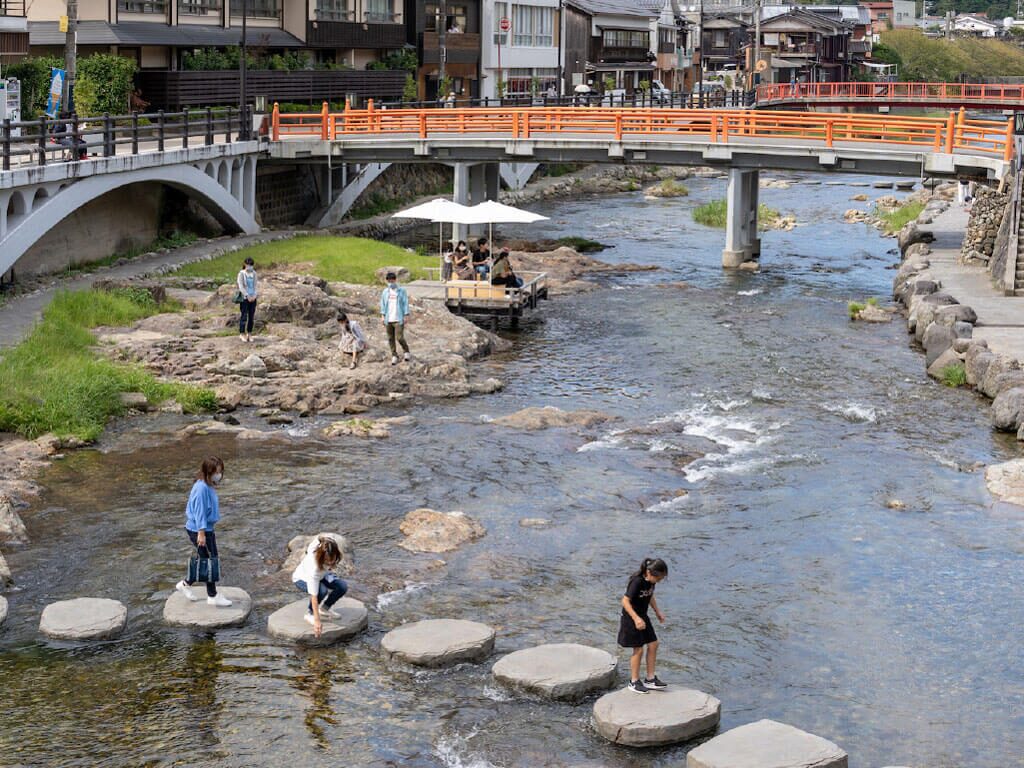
(635, 630)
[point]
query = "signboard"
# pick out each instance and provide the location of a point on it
(62, 25)
(505, 24)
(56, 92)
(10, 103)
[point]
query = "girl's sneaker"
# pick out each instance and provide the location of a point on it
(637, 687)
(219, 601)
(325, 611)
(655, 684)
(186, 590)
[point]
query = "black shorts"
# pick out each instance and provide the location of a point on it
(631, 637)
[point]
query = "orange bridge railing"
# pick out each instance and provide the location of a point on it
(948, 134)
(966, 94)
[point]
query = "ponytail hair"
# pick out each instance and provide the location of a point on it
(327, 553)
(655, 565)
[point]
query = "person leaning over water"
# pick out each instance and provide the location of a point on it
(313, 576)
(353, 341)
(201, 514)
(248, 286)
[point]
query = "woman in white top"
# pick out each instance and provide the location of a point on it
(248, 287)
(353, 341)
(313, 576)
(446, 264)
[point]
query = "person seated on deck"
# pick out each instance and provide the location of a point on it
(461, 261)
(501, 272)
(482, 259)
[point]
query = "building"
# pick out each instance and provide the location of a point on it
(891, 14)
(975, 25)
(608, 43)
(524, 59)
(724, 39)
(671, 45)
(807, 47)
(13, 30)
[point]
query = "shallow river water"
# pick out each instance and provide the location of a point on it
(794, 592)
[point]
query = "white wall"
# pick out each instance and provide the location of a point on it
(512, 56)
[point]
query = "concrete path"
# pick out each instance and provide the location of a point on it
(20, 313)
(1000, 318)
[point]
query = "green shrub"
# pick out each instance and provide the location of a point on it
(714, 214)
(581, 244)
(34, 75)
(954, 375)
(54, 382)
(854, 308)
(106, 82)
(410, 91)
(405, 58)
(670, 188)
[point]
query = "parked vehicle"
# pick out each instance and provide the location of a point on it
(659, 92)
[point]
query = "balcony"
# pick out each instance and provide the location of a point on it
(12, 8)
(620, 53)
(155, 7)
(199, 7)
(256, 9)
(461, 47)
(346, 33)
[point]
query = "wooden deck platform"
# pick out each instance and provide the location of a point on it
(479, 299)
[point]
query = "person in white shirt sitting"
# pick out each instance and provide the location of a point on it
(313, 576)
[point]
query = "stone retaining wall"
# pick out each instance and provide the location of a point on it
(987, 213)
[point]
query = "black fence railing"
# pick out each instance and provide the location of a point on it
(717, 99)
(74, 138)
(12, 8)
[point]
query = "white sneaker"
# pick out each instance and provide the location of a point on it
(330, 612)
(394, 359)
(186, 590)
(218, 600)
(310, 619)
(407, 357)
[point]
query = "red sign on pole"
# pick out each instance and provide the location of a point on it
(505, 24)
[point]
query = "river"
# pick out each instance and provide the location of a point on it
(794, 593)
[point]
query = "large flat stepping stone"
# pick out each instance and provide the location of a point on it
(558, 670)
(437, 642)
(657, 718)
(84, 618)
(3, 609)
(766, 744)
(289, 623)
(182, 612)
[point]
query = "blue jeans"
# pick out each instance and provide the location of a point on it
(210, 550)
(247, 317)
(331, 590)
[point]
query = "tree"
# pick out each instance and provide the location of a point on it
(409, 91)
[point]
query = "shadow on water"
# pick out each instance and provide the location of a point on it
(757, 437)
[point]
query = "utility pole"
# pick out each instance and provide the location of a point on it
(757, 41)
(70, 55)
(700, 58)
(243, 97)
(442, 53)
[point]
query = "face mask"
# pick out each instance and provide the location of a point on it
(393, 286)
(249, 268)
(216, 478)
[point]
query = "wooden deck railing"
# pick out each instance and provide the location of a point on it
(946, 135)
(959, 93)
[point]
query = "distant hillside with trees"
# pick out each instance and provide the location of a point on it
(941, 61)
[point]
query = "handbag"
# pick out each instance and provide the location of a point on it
(203, 568)
(239, 297)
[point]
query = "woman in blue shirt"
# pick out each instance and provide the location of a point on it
(201, 514)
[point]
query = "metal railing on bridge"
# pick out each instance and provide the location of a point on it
(943, 135)
(901, 93)
(714, 99)
(75, 139)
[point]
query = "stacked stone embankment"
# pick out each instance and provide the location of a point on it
(987, 211)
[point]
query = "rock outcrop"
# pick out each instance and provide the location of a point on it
(1006, 481)
(534, 418)
(428, 530)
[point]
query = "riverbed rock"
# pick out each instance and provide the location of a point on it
(439, 642)
(937, 339)
(873, 314)
(289, 623)
(534, 522)
(976, 363)
(1006, 481)
(954, 313)
(3, 610)
(83, 618)
(989, 383)
(12, 529)
(297, 550)
(253, 366)
(363, 427)
(182, 612)
(666, 717)
(428, 530)
(860, 197)
(135, 401)
(911, 234)
(534, 418)
(558, 670)
(1008, 410)
(767, 744)
(942, 362)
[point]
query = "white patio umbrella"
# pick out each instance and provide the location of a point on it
(440, 211)
(490, 212)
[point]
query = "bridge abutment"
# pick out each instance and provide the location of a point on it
(741, 239)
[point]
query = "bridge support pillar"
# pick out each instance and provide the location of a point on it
(460, 194)
(741, 240)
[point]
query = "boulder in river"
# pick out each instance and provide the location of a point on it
(12, 529)
(84, 618)
(534, 418)
(428, 530)
(665, 717)
(938, 367)
(1008, 409)
(182, 612)
(1006, 481)
(439, 642)
(767, 744)
(289, 623)
(558, 670)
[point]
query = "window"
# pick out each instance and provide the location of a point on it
(719, 39)
(142, 6)
(530, 82)
(379, 10)
(260, 9)
(533, 26)
(456, 18)
(333, 10)
(198, 7)
(624, 38)
(500, 12)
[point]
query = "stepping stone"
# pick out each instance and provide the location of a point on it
(882, 184)
(439, 642)
(906, 184)
(288, 623)
(3, 610)
(661, 717)
(558, 670)
(84, 618)
(181, 611)
(766, 744)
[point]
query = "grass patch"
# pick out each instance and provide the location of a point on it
(53, 381)
(714, 214)
(954, 375)
(854, 308)
(895, 220)
(669, 188)
(345, 259)
(873, 302)
(581, 244)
